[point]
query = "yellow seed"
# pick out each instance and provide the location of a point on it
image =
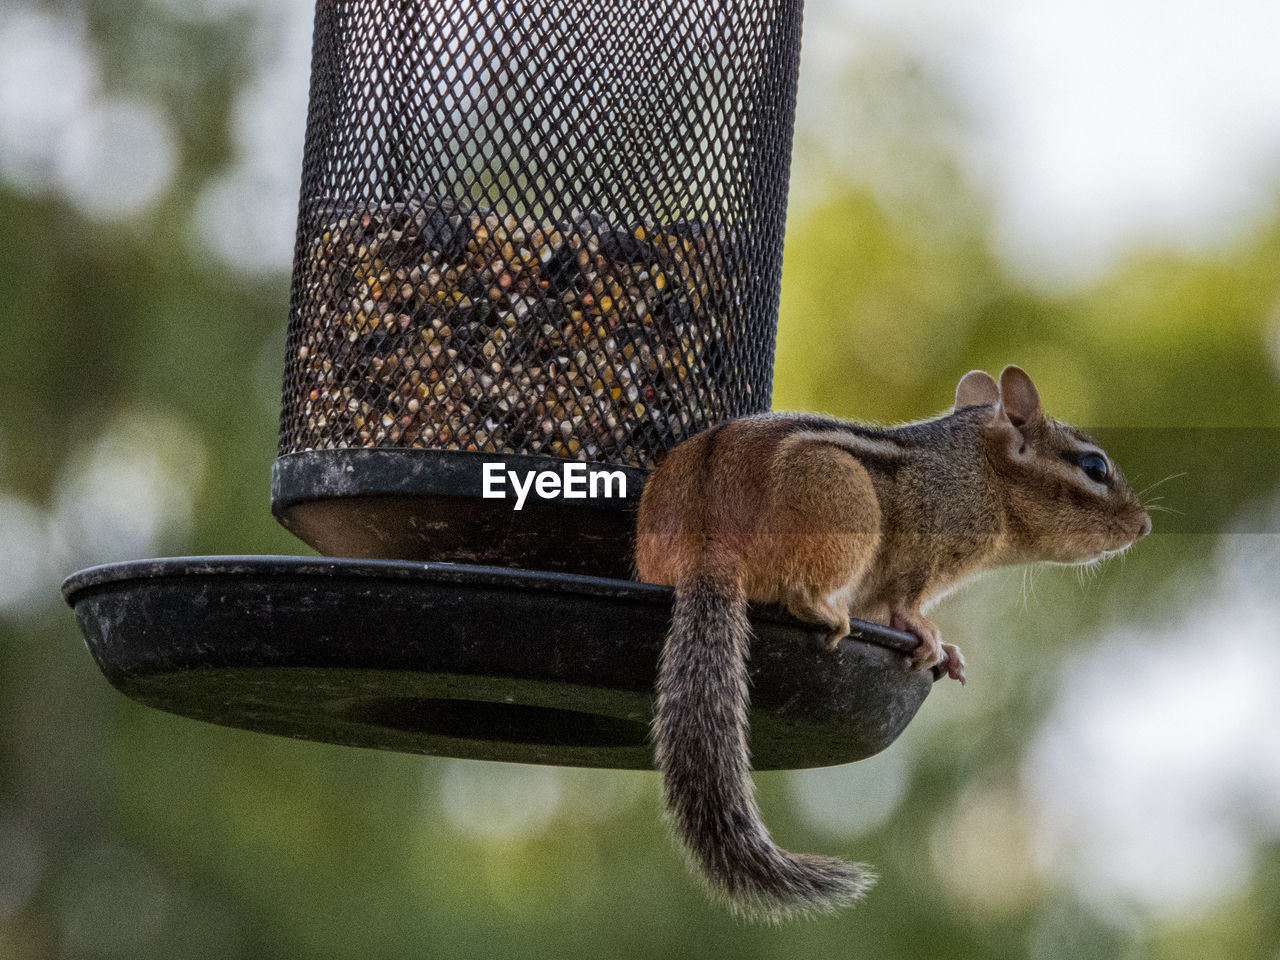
(640, 233)
(660, 281)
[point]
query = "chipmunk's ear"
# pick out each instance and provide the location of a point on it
(976, 389)
(1019, 398)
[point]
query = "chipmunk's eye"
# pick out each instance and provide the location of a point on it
(1095, 467)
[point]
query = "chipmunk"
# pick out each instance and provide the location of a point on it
(832, 520)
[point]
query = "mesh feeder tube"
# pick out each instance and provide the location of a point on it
(529, 233)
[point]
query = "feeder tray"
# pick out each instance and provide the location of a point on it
(464, 661)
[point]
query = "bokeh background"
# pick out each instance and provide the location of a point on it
(1090, 190)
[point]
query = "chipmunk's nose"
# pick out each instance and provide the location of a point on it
(1145, 526)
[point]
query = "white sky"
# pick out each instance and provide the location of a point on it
(1155, 780)
(1096, 124)
(1093, 126)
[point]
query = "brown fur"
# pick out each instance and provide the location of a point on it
(833, 520)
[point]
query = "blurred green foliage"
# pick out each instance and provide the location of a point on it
(128, 833)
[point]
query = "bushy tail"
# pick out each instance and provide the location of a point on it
(700, 735)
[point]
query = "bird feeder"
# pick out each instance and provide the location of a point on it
(535, 238)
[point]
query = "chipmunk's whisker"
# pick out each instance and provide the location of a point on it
(1145, 490)
(1028, 585)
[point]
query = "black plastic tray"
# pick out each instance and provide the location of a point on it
(463, 661)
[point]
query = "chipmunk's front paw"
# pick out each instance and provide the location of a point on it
(954, 661)
(930, 650)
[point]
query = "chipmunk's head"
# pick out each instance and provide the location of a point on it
(1065, 500)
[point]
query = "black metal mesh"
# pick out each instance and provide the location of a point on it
(539, 226)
